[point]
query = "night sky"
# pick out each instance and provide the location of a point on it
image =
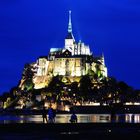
(29, 28)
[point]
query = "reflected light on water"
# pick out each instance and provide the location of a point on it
(133, 118)
(64, 118)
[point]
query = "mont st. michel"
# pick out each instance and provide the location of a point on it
(74, 87)
(71, 62)
(68, 76)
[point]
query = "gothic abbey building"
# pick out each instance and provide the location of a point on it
(72, 61)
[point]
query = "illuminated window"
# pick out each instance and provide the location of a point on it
(77, 63)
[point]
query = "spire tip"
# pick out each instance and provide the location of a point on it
(69, 24)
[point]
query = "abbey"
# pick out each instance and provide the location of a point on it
(72, 61)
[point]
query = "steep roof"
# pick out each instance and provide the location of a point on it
(69, 36)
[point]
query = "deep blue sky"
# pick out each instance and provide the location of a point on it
(29, 28)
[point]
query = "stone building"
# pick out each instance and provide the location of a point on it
(72, 61)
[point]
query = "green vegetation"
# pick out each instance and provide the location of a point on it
(60, 90)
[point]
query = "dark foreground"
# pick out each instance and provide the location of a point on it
(81, 131)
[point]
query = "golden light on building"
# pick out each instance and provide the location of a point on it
(72, 61)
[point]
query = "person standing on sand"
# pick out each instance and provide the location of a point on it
(44, 115)
(51, 115)
(73, 118)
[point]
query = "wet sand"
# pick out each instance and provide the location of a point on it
(82, 131)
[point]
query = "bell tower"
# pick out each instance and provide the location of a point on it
(69, 40)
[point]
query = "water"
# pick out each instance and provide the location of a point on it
(98, 133)
(64, 118)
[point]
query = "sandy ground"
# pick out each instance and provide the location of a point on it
(109, 131)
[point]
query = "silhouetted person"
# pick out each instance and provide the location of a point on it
(73, 118)
(51, 115)
(44, 115)
(133, 118)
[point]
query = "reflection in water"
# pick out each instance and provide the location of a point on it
(64, 118)
(135, 118)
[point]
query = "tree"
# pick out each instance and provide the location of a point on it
(125, 91)
(56, 85)
(107, 90)
(27, 76)
(85, 87)
(74, 88)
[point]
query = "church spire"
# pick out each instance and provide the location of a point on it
(70, 24)
(103, 59)
(70, 35)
